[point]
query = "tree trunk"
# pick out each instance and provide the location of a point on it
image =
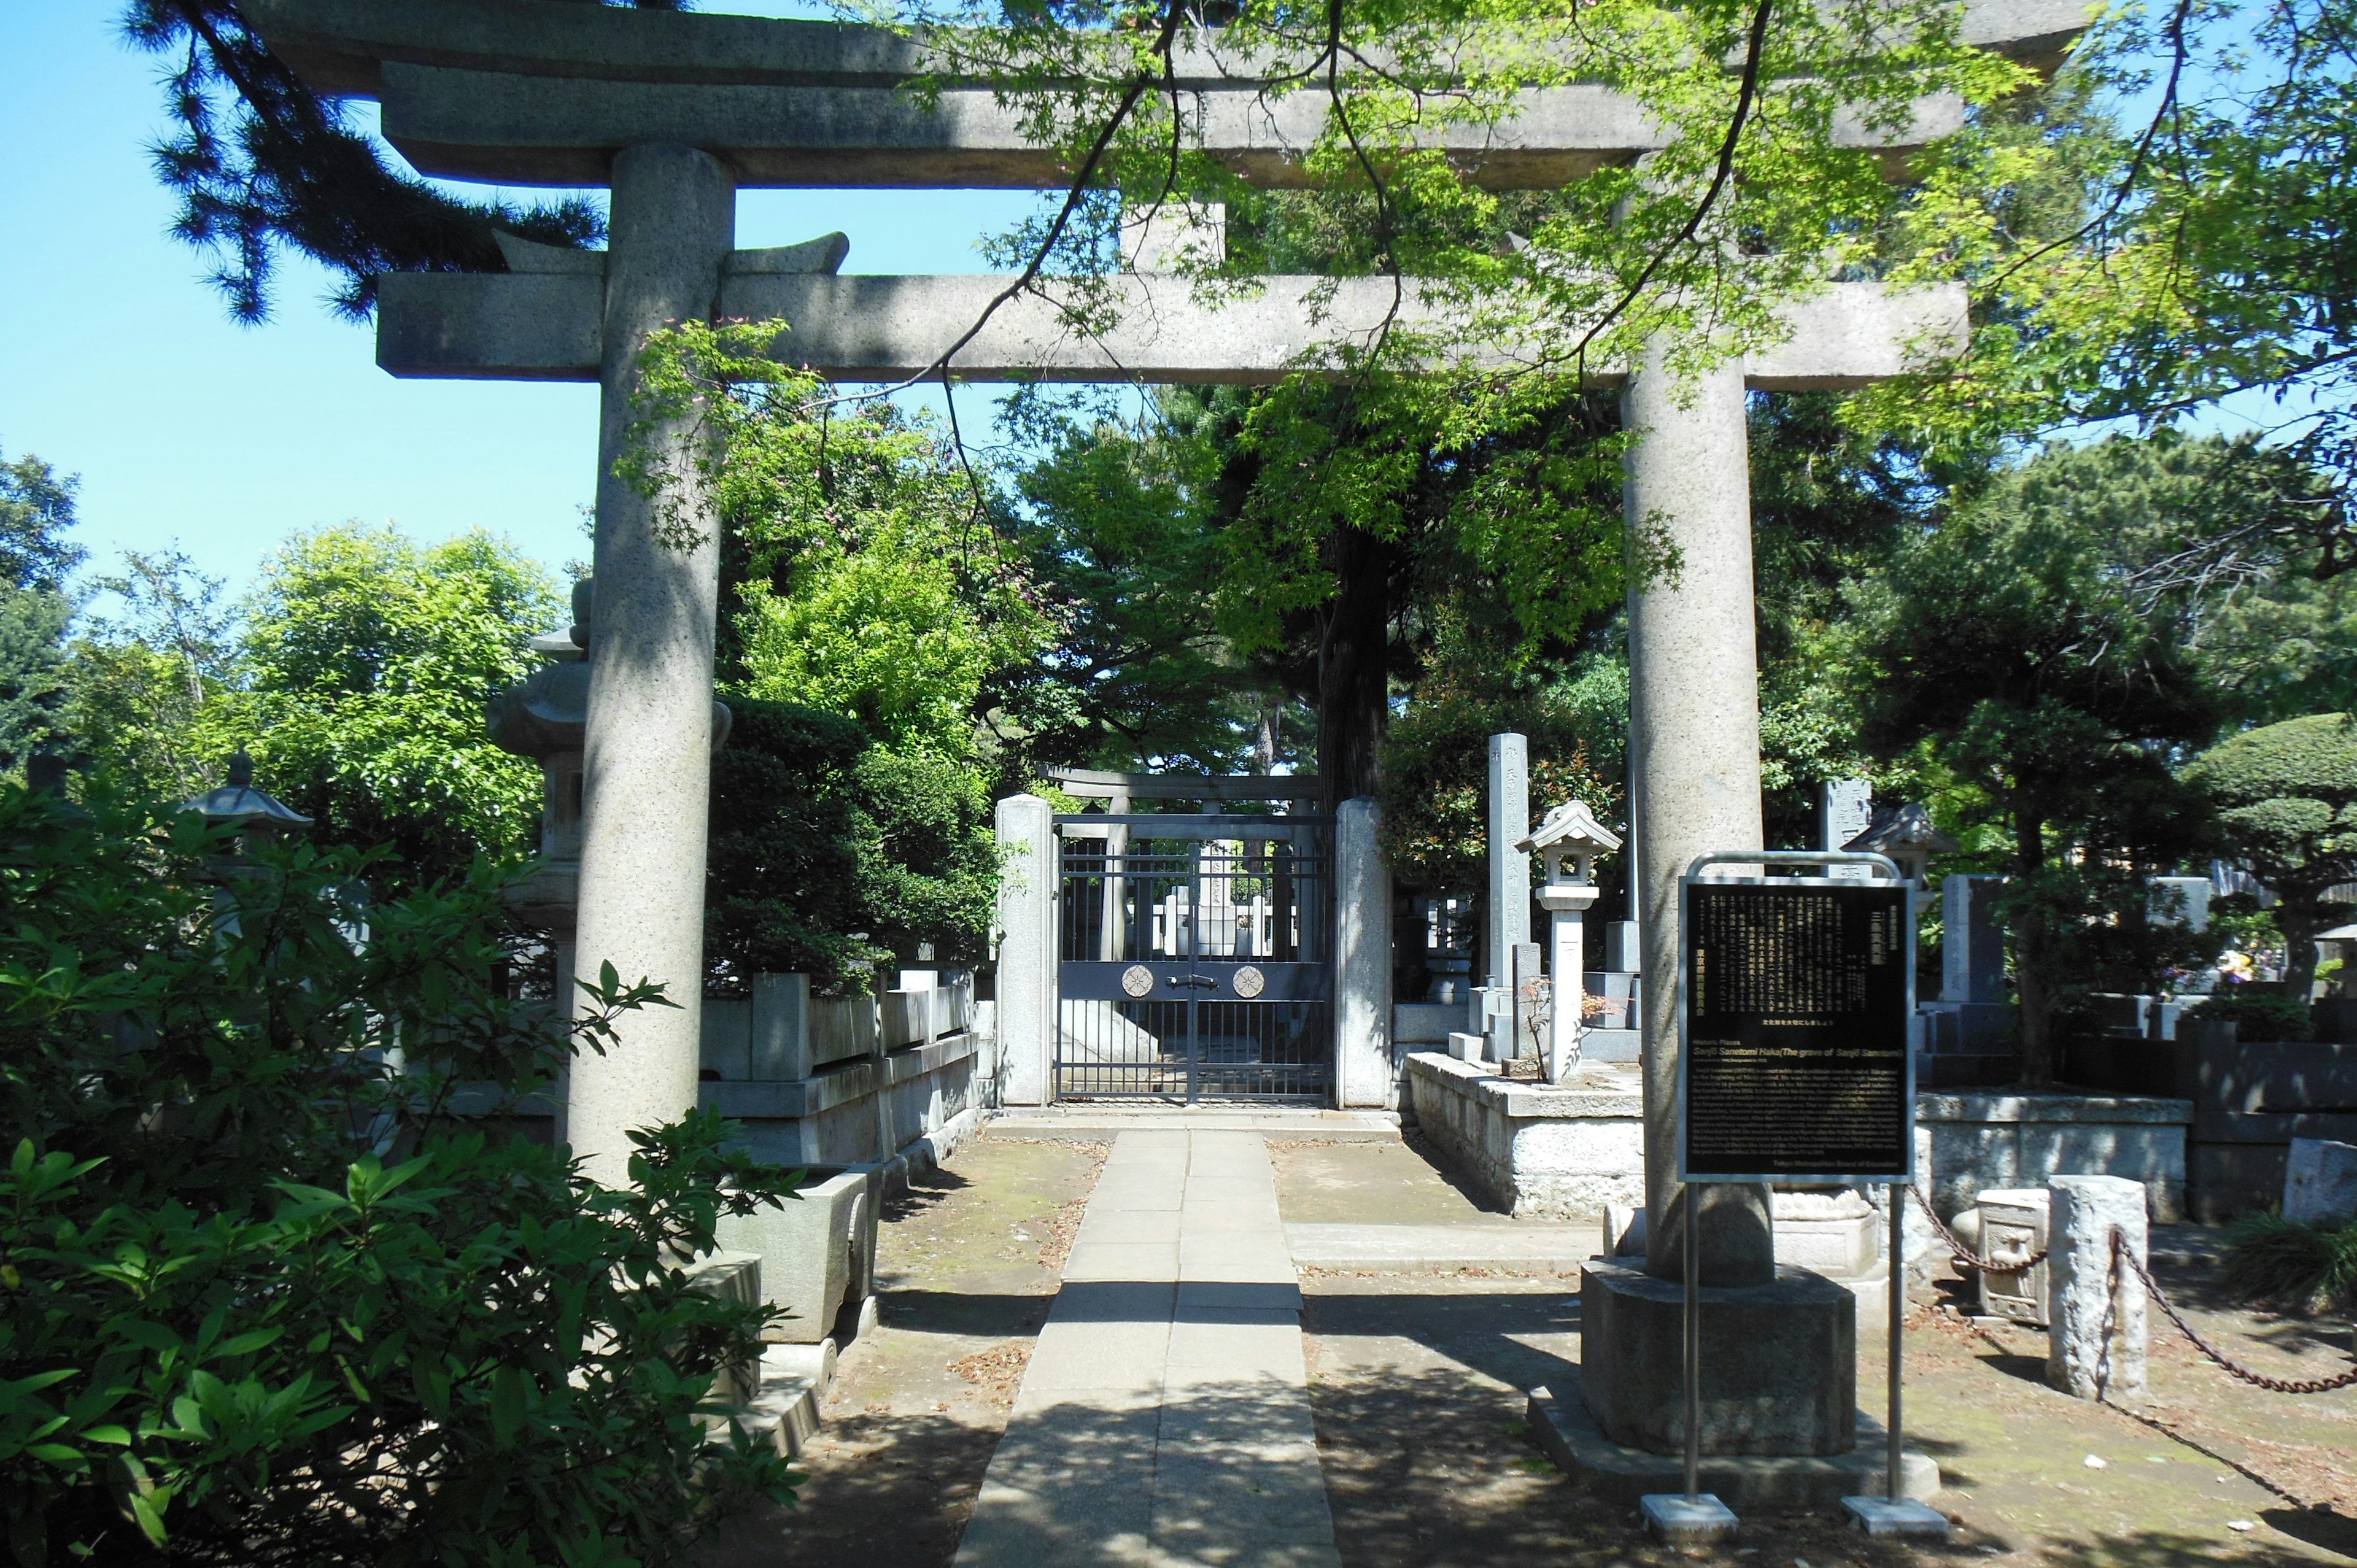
(2031, 982)
(2299, 928)
(1353, 668)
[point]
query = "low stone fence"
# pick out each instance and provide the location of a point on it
(828, 1082)
(1985, 1141)
(836, 1080)
(1538, 1151)
(1562, 1153)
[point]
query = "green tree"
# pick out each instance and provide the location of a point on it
(367, 662)
(874, 629)
(1120, 530)
(2286, 800)
(147, 680)
(36, 508)
(832, 854)
(2018, 642)
(2151, 270)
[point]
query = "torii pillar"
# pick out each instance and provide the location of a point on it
(1694, 677)
(646, 765)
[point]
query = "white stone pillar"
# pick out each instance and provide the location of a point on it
(1026, 950)
(2095, 1335)
(647, 764)
(1566, 962)
(1694, 752)
(1362, 962)
(1510, 868)
(1111, 947)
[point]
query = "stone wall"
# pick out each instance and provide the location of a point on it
(2252, 1099)
(1982, 1141)
(1537, 1151)
(826, 1080)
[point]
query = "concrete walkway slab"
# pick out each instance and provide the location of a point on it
(1163, 1420)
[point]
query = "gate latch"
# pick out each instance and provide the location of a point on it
(1180, 981)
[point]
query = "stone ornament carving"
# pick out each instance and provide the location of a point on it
(1249, 982)
(1137, 980)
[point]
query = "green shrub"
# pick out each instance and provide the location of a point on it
(832, 852)
(267, 1299)
(2259, 1014)
(2281, 1262)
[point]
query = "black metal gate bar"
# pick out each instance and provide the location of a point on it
(1196, 957)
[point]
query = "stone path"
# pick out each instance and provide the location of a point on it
(1165, 1417)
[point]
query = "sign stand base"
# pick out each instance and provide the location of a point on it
(1677, 1520)
(1882, 1516)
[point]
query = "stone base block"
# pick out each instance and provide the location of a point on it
(1880, 1516)
(1778, 1362)
(1621, 1475)
(1677, 1520)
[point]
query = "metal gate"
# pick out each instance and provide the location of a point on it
(1196, 957)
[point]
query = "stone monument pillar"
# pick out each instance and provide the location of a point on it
(1510, 868)
(1695, 757)
(646, 780)
(1845, 810)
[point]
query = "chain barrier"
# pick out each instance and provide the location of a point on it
(2123, 1253)
(1965, 1254)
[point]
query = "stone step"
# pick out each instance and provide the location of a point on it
(1498, 1243)
(1093, 1121)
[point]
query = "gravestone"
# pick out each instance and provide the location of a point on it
(2320, 1182)
(1844, 809)
(1971, 942)
(1510, 868)
(2180, 901)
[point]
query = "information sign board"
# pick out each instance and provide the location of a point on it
(1796, 998)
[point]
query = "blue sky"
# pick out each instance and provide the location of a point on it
(117, 363)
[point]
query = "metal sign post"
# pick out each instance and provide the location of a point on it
(1795, 1068)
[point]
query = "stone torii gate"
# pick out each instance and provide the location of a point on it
(673, 111)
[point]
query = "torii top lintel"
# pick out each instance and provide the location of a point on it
(545, 91)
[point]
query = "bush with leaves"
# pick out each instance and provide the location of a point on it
(832, 852)
(2259, 1013)
(269, 1297)
(2282, 1262)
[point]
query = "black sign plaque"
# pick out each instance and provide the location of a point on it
(1795, 1066)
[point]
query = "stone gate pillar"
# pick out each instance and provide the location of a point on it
(1028, 1021)
(646, 761)
(1694, 679)
(1363, 1077)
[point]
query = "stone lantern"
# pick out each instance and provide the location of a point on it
(254, 813)
(1567, 843)
(251, 814)
(545, 717)
(1905, 835)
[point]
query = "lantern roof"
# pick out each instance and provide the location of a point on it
(237, 804)
(1902, 828)
(1571, 826)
